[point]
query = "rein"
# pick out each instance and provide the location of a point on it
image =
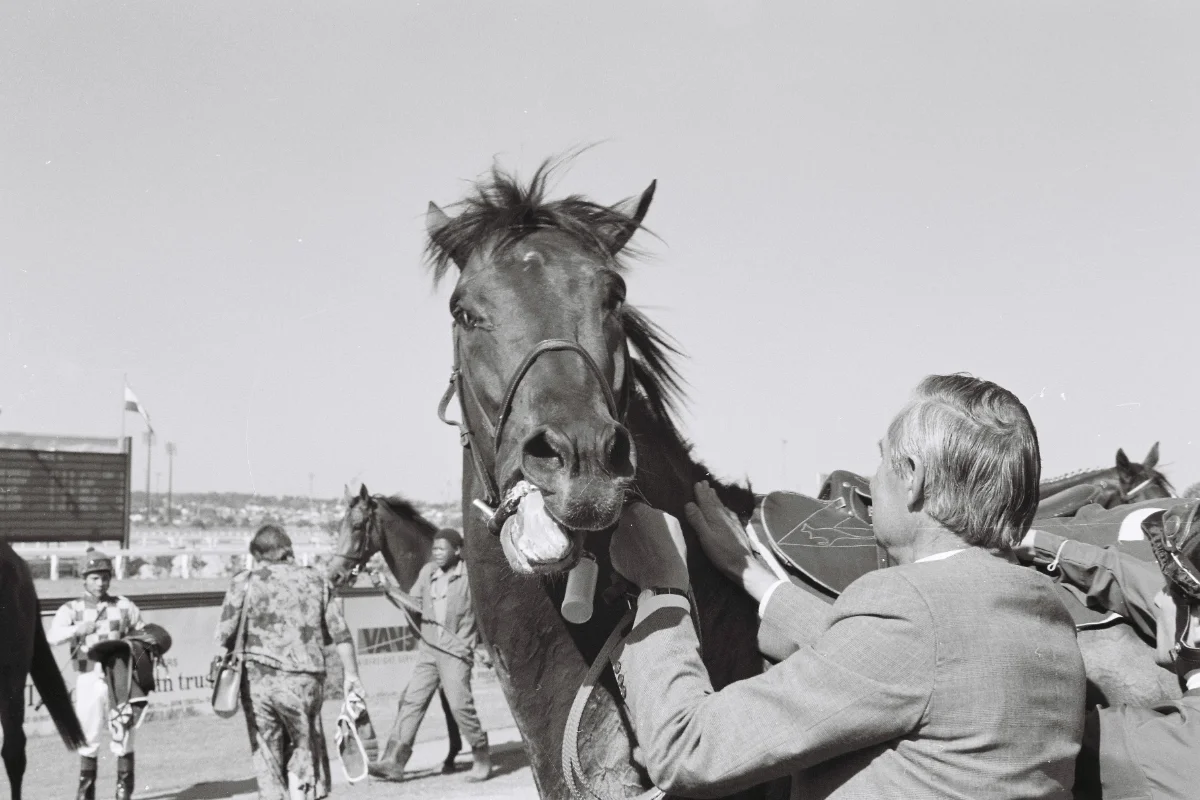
(572, 769)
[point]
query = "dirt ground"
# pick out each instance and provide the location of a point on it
(208, 758)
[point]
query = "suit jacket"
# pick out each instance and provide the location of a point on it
(456, 634)
(1128, 753)
(958, 678)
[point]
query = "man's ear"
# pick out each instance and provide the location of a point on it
(916, 485)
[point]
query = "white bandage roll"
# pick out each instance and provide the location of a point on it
(581, 589)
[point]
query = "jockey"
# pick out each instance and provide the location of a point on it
(96, 617)
(1129, 751)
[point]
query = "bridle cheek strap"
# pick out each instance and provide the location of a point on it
(460, 386)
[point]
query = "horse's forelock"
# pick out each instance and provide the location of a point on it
(500, 210)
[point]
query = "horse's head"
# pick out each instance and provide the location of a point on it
(357, 539)
(1142, 481)
(542, 337)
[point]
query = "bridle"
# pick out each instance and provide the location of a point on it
(1127, 496)
(464, 389)
(357, 559)
(618, 408)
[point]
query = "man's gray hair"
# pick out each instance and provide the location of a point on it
(272, 544)
(981, 455)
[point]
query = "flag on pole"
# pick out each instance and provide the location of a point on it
(132, 404)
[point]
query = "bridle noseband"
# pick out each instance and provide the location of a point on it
(462, 387)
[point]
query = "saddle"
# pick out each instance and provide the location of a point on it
(825, 545)
(852, 490)
(129, 671)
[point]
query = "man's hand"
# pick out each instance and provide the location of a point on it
(352, 684)
(649, 551)
(727, 544)
(85, 628)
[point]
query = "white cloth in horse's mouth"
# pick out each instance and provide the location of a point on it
(532, 524)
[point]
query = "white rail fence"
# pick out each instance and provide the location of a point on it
(166, 554)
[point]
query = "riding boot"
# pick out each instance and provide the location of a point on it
(87, 778)
(125, 777)
(482, 769)
(390, 765)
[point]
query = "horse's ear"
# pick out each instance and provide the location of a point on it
(636, 214)
(1151, 458)
(435, 221)
(363, 494)
(349, 496)
(1122, 460)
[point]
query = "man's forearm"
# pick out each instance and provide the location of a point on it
(58, 634)
(1116, 581)
(345, 651)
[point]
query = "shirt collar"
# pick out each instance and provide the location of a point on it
(940, 556)
(453, 572)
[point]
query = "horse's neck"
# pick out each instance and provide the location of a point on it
(1056, 485)
(406, 547)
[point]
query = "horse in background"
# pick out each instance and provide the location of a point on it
(393, 527)
(26, 653)
(563, 384)
(1125, 483)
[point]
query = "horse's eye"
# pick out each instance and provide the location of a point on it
(465, 319)
(615, 299)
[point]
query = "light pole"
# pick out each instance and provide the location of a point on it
(170, 477)
(148, 438)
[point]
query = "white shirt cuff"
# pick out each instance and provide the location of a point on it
(649, 605)
(1193, 680)
(762, 605)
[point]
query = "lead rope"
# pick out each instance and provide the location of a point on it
(572, 769)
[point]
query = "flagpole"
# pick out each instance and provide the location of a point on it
(124, 383)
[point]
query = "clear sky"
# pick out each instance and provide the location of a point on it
(225, 202)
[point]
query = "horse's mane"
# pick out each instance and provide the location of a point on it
(501, 210)
(404, 509)
(1155, 475)
(1075, 473)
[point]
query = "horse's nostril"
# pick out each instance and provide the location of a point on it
(540, 447)
(621, 457)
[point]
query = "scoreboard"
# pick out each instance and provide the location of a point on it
(63, 488)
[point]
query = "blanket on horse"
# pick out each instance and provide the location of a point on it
(826, 543)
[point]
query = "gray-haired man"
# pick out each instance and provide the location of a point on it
(954, 674)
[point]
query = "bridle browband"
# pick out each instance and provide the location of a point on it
(462, 387)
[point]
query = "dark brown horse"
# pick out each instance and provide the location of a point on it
(24, 652)
(393, 527)
(1125, 483)
(566, 386)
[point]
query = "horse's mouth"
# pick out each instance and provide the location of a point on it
(536, 542)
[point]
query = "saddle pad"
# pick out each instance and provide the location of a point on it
(828, 548)
(819, 541)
